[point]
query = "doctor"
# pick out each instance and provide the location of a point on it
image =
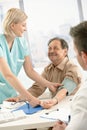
(13, 54)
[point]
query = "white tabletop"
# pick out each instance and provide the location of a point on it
(34, 120)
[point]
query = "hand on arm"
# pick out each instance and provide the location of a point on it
(59, 96)
(53, 86)
(48, 103)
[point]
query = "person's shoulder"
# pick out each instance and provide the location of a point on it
(71, 63)
(73, 67)
(1, 38)
(81, 95)
(48, 67)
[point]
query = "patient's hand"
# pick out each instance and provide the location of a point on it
(48, 103)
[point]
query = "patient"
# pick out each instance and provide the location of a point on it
(60, 70)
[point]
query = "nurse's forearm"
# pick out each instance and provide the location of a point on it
(15, 83)
(38, 78)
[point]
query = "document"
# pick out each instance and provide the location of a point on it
(57, 114)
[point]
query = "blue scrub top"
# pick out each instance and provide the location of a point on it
(15, 59)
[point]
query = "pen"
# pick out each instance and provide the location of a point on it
(69, 118)
(51, 111)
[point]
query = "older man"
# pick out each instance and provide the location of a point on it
(60, 70)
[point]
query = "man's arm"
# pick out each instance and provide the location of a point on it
(71, 83)
(36, 90)
(67, 88)
(59, 96)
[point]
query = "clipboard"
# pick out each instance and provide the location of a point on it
(57, 114)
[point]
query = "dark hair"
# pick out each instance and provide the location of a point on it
(79, 34)
(64, 44)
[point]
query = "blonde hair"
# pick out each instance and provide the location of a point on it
(14, 15)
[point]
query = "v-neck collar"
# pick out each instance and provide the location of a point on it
(10, 51)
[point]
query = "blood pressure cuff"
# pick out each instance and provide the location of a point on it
(69, 84)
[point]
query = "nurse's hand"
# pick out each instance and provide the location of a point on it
(53, 86)
(13, 99)
(33, 101)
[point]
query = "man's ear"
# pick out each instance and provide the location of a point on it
(84, 57)
(66, 52)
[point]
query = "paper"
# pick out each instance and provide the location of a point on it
(11, 105)
(61, 114)
(28, 109)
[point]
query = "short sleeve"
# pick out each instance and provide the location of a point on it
(1, 52)
(73, 72)
(69, 84)
(23, 46)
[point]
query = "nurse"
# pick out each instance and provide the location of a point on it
(13, 54)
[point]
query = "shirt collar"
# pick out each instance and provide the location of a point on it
(61, 65)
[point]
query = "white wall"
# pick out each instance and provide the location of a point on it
(27, 82)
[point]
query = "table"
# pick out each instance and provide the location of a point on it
(34, 120)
